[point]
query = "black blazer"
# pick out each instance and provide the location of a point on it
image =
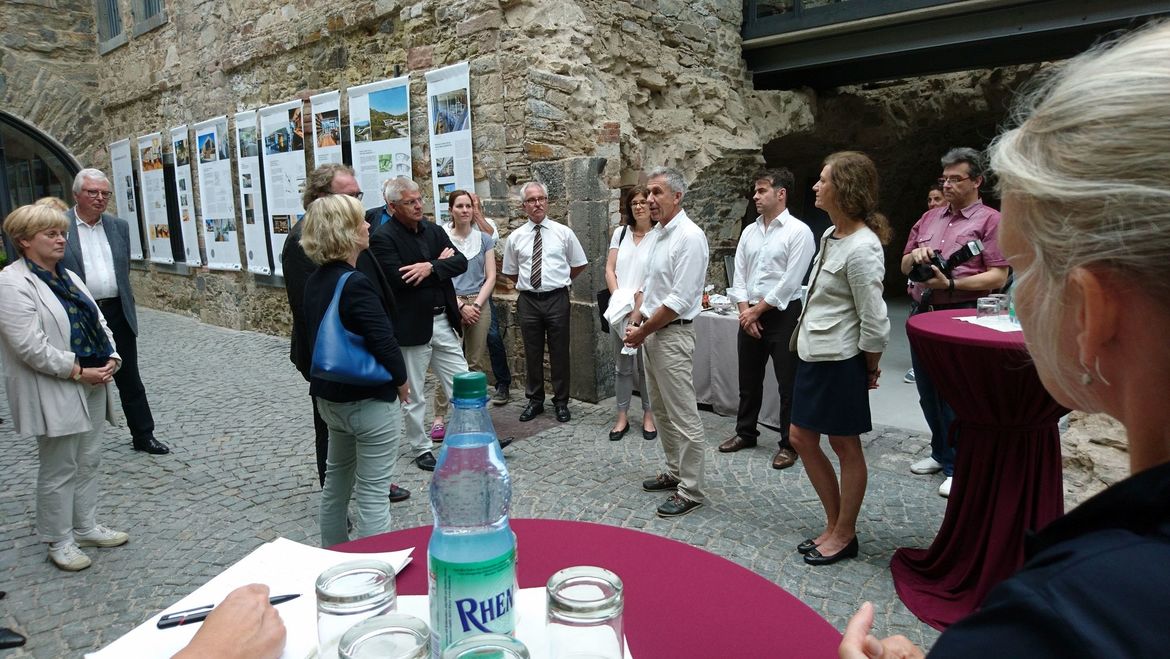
(118, 235)
(361, 311)
(394, 246)
(297, 268)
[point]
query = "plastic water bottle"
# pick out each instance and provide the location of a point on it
(472, 553)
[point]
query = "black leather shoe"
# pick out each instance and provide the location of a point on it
(562, 412)
(531, 410)
(151, 446)
(676, 506)
(814, 557)
(807, 546)
(616, 435)
(426, 461)
(660, 483)
(649, 434)
(398, 493)
(10, 639)
(505, 442)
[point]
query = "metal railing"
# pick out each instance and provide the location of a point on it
(768, 17)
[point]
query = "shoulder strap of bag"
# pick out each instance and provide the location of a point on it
(332, 309)
(811, 286)
(623, 236)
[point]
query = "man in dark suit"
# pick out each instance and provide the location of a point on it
(420, 261)
(98, 249)
(331, 178)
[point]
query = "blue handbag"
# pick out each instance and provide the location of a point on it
(339, 355)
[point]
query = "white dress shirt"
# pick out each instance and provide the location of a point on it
(560, 249)
(676, 269)
(97, 259)
(770, 264)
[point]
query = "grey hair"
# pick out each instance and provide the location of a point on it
(524, 188)
(89, 173)
(674, 179)
(976, 166)
(394, 188)
(1088, 167)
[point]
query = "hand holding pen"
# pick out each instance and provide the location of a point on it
(244, 626)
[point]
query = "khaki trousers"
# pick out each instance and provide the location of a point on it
(474, 349)
(669, 356)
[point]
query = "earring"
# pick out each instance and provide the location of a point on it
(1086, 379)
(1097, 366)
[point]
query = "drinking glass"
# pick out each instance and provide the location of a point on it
(986, 307)
(585, 614)
(389, 636)
(1004, 300)
(347, 594)
(486, 646)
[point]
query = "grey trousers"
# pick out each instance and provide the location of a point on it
(67, 487)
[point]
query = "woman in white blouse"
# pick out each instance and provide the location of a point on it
(628, 250)
(840, 339)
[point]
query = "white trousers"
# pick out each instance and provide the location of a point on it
(444, 356)
(67, 488)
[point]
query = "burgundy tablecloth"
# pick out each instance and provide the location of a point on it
(1007, 466)
(680, 601)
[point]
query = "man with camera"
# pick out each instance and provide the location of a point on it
(967, 230)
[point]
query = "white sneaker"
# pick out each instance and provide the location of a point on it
(944, 490)
(909, 377)
(68, 557)
(100, 536)
(926, 466)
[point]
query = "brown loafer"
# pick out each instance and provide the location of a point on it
(735, 443)
(784, 458)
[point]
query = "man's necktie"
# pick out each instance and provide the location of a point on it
(537, 257)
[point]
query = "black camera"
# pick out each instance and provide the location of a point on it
(922, 272)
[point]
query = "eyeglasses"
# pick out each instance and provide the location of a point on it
(417, 201)
(952, 179)
(356, 195)
(536, 200)
(639, 203)
(94, 194)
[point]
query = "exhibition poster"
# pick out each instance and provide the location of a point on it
(154, 198)
(185, 193)
(122, 185)
(251, 199)
(218, 211)
(379, 134)
(449, 116)
(282, 130)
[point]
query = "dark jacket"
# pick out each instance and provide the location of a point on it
(362, 313)
(118, 235)
(394, 246)
(1095, 584)
(297, 268)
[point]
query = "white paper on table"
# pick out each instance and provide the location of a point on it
(531, 610)
(286, 567)
(997, 323)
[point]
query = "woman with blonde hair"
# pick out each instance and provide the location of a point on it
(59, 360)
(1085, 182)
(839, 339)
(365, 422)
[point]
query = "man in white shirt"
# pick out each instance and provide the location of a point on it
(543, 257)
(98, 249)
(771, 261)
(662, 323)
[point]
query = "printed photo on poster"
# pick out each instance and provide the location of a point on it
(389, 116)
(286, 138)
(249, 142)
(182, 154)
(328, 128)
(445, 166)
(449, 112)
(280, 223)
(152, 155)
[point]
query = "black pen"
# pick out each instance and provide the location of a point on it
(200, 614)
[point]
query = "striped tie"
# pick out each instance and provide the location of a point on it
(537, 257)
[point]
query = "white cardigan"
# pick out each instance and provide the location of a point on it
(34, 343)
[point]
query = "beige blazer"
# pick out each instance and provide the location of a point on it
(34, 344)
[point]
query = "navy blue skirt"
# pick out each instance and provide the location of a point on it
(832, 398)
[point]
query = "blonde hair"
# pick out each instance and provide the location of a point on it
(331, 226)
(31, 219)
(52, 202)
(1088, 166)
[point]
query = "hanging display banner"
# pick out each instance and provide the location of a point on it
(216, 207)
(326, 110)
(284, 171)
(251, 201)
(154, 198)
(122, 176)
(379, 133)
(185, 193)
(449, 114)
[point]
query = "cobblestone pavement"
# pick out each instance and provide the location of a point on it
(241, 472)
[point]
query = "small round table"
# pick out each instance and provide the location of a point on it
(680, 601)
(1007, 477)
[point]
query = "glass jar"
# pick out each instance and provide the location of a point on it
(388, 636)
(486, 646)
(585, 614)
(347, 594)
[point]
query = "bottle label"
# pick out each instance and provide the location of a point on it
(471, 598)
